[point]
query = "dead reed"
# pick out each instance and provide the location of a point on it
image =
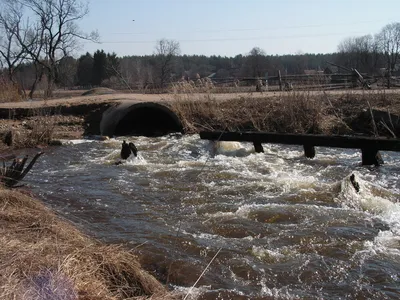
(45, 257)
(37, 129)
(286, 112)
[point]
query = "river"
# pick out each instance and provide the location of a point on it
(282, 226)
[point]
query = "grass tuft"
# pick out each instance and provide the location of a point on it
(287, 112)
(45, 257)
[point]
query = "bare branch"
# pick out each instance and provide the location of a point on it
(166, 50)
(55, 34)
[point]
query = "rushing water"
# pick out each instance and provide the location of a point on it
(286, 227)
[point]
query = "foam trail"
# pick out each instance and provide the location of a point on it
(365, 199)
(229, 148)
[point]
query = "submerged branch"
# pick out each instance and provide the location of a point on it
(11, 175)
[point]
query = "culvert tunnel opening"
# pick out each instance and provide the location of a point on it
(148, 121)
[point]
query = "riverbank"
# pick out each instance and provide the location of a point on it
(374, 113)
(43, 256)
(39, 249)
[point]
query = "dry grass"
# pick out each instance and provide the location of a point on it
(8, 91)
(41, 127)
(37, 129)
(291, 112)
(44, 257)
(98, 91)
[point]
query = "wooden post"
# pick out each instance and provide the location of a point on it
(361, 79)
(258, 147)
(371, 156)
(280, 80)
(309, 151)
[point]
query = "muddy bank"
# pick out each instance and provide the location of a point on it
(66, 121)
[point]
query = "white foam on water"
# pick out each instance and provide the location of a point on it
(77, 141)
(111, 156)
(294, 180)
(363, 200)
(369, 200)
(191, 293)
(133, 161)
(263, 253)
(281, 293)
(230, 149)
(245, 211)
(202, 236)
(259, 178)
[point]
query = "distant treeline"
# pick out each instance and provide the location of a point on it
(138, 72)
(37, 38)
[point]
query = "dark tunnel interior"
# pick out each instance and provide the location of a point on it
(150, 121)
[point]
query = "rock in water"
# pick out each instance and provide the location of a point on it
(133, 149)
(354, 183)
(125, 151)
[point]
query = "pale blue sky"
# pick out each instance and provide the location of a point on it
(227, 28)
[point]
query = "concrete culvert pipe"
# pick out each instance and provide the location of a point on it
(145, 119)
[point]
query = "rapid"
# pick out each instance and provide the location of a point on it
(283, 226)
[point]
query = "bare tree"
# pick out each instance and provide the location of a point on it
(133, 70)
(360, 53)
(55, 33)
(166, 52)
(12, 55)
(389, 43)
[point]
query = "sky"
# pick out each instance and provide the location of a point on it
(228, 28)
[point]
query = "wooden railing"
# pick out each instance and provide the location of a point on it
(369, 146)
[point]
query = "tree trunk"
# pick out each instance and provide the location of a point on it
(50, 85)
(38, 78)
(389, 74)
(21, 91)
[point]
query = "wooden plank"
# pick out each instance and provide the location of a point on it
(305, 139)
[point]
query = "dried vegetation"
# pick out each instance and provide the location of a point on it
(8, 91)
(292, 112)
(45, 257)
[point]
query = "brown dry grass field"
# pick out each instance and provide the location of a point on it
(75, 97)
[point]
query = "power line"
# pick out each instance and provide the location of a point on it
(278, 37)
(254, 29)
